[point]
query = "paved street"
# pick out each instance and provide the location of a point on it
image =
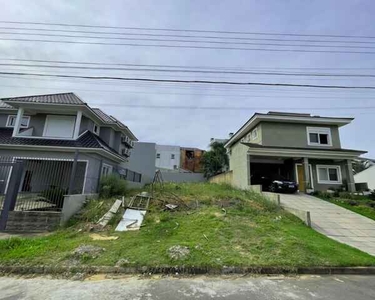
(335, 222)
(132, 288)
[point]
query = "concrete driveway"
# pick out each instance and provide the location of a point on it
(335, 222)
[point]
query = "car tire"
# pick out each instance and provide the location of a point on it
(272, 189)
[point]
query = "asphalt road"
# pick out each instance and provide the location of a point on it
(133, 288)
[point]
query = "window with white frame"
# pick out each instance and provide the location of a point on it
(329, 174)
(106, 169)
(12, 121)
(254, 134)
(157, 155)
(172, 156)
(319, 136)
(96, 129)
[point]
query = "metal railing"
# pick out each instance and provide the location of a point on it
(43, 184)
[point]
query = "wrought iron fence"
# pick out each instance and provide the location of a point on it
(44, 182)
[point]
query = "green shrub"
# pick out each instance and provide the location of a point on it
(54, 195)
(346, 195)
(324, 194)
(111, 186)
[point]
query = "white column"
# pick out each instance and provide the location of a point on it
(350, 179)
(306, 173)
(17, 124)
(77, 125)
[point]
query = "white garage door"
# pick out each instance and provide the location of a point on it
(59, 126)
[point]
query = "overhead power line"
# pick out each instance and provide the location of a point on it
(177, 66)
(180, 35)
(231, 107)
(185, 30)
(203, 94)
(186, 46)
(190, 71)
(190, 81)
(188, 41)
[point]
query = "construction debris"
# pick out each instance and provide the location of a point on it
(98, 237)
(103, 221)
(171, 206)
(140, 201)
(131, 220)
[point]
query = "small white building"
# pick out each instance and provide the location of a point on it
(368, 176)
(167, 157)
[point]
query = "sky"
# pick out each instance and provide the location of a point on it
(192, 126)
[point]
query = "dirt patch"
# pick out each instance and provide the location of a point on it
(178, 252)
(87, 251)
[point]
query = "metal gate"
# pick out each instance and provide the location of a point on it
(10, 179)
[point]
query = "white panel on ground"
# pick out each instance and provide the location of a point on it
(131, 220)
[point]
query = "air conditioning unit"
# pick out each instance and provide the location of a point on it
(125, 152)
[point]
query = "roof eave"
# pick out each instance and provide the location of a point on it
(258, 117)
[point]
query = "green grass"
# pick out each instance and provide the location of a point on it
(253, 232)
(362, 204)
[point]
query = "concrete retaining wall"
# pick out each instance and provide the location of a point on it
(304, 215)
(182, 177)
(29, 221)
(73, 203)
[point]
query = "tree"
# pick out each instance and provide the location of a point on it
(215, 161)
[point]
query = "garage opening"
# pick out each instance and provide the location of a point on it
(264, 170)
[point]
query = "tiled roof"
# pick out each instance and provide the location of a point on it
(86, 140)
(63, 98)
(103, 116)
(3, 105)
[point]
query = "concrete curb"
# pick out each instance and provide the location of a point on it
(182, 270)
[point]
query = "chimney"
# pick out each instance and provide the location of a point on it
(230, 134)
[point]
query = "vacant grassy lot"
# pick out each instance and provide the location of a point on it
(249, 231)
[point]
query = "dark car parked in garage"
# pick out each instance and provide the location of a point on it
(275, 183)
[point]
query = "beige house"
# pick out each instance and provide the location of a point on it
(300, 147)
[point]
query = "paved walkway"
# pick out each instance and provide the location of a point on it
(335, 222)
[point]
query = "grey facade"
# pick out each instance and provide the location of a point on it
(100, 143)
(300, 147)
(142, 160)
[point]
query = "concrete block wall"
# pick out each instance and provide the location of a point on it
(239, 164)
(31, 221)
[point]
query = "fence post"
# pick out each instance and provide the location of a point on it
(73, 173)
(12, 192)
(308, 219)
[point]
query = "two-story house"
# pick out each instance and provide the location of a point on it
(300, 147)
(50, 132)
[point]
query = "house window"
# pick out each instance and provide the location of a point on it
(175, 167)
(329, 174)
(157, 155)
(106, 169)
(254, 134)
(59, 126)
(12, 121)
(318, 136)
(172, 156)
(96, 129)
